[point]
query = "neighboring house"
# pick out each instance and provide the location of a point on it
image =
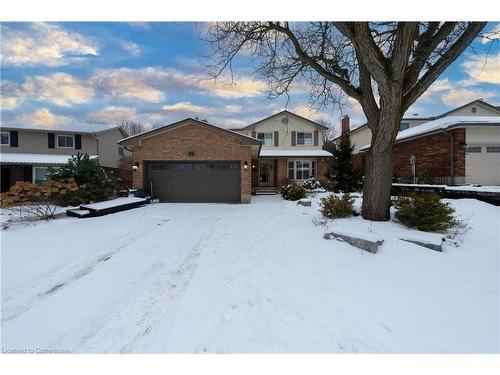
(193, 161)
(459, 146)
(292, 150)
(27, 150)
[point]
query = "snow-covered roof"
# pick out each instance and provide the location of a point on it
(443, 124)
(18, 158)
(294, 153)
(73, 127)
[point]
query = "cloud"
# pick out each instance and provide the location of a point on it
(186, 107)
(152, 84)
(483, 69)
(44, 44)
(457, 98)
(131, 47)
(114, 114)
(233, 108)
(43, 118)
(59, 88)
(126, 83)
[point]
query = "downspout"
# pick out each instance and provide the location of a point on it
(452, 157)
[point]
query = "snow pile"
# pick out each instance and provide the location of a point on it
(113, 203)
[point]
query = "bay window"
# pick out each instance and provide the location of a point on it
(301, 169)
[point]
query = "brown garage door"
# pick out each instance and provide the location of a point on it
(198, 181)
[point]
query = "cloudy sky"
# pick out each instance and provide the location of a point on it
(155, 73)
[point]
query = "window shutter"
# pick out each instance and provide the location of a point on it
(28, 173)
(294, 138)
(78, 141)
(13, 138)
(276, 139)
(254, 134)
(316, 137)
(52, 138)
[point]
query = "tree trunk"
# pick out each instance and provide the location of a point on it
(378, 169)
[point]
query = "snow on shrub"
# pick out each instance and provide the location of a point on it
(334, 207)
(425, 212)
(293, 192)
(312, 184)
(37, 201)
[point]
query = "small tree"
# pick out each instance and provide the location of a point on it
(94, 184)
(340, 173)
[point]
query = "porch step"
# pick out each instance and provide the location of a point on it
(266, 191)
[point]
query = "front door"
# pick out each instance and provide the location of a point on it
(266, 173)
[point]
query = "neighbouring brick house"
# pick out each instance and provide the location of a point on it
(194, 161)
(27, 151)
(467, 138)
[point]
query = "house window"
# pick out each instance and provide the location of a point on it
(403, 126)
(265, 138)
(120, 151)
(473, 150)
(301, 169)
(5, 138)
(65, 141)
(40, 174)
(492, 149)
(304, 138)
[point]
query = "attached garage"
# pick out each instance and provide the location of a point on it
(199, 181)
(193, 161)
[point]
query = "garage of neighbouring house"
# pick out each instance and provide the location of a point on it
(193, 161)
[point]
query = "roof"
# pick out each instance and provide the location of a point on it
(444, 123)
(278, 114)
(246, 139)
(294, 153)
(70, 128)
(41, 159)
(477, 101)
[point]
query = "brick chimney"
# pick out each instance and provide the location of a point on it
(345, 124)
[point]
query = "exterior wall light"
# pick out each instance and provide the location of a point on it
(245, 166)
(135, 166)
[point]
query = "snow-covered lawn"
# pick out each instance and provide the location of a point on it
(256, 278)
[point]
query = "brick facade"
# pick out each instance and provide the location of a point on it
(432, 154)
(206, 144)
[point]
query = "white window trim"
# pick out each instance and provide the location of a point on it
(64, 135)
(34, 172)
(304, 144)
(294, 161)
(272, 138)
(8, 136)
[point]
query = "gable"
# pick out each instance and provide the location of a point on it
(284, 123)
(476, 108)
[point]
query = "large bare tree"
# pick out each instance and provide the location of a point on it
(385, 66)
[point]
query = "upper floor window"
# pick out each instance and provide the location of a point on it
(473, 150)
(120, 151)
(403, 126)
(5, 138)
(265, 138)
(304, 138)
(493, 149)
(65, 141)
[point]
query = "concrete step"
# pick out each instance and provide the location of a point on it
(266, 191)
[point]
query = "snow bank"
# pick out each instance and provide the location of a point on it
(113, 203)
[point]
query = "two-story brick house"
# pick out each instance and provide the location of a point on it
(27, 151)
(194, 161)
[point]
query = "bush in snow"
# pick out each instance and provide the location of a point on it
(37, 201)
(293, 192)
(311, 184)
(94, 184)
(334, 207)
(425, 212)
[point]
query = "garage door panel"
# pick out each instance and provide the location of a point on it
(195, 181)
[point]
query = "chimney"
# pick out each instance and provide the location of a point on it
(345, 124)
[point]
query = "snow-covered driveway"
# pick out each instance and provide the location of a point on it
(255, 278)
